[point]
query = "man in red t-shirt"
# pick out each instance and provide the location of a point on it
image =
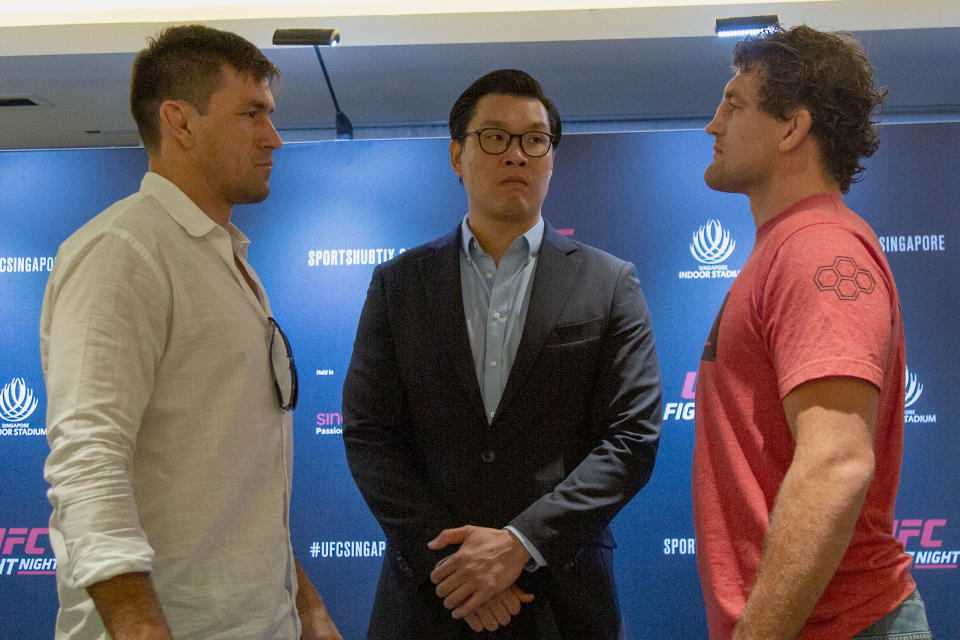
(799, 424)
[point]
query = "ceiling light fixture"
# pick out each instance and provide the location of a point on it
(318, 38)
(746, 26)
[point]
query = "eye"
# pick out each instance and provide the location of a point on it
(494, 135)
(537, 138)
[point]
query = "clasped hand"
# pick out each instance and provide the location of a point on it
(477, 581)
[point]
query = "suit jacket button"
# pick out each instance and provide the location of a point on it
(488, 456)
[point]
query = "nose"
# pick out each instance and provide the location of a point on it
(273, 140)
(713, 126)
(514, 154)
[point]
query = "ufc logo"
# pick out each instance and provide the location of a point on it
(922, 529)
(17, 536)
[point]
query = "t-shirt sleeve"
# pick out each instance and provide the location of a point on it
(826, 308)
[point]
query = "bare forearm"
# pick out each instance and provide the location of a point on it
(316, 621)
(810, 529)
(129, 608)
(307, 595)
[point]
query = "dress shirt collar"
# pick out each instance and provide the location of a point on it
(186, 213)
(533, 237)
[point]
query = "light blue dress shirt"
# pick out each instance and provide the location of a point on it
(495, 302)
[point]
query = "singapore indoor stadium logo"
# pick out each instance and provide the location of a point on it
(912, 390)
(911, 394)
(711, 243)
(711, 246)
(17, 401)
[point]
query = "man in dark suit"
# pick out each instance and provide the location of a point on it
(503, 396)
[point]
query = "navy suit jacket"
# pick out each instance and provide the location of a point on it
(574, 437)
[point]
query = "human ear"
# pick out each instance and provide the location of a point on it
(175, 122)
(456, 157)
(798, 128)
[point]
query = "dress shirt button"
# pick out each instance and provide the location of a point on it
(493, 363)
(492, 414)
(489, 276)
(488, 456)
(496, 315)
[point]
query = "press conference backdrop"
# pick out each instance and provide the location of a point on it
(339, 208)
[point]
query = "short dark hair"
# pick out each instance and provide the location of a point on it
(503, 82)
(829, 75)
(186, 63)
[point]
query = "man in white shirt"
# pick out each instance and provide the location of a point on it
(169, 384)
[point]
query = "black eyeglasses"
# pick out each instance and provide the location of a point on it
(284, 373)
(497, 141)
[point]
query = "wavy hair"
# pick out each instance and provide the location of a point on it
(829, 75)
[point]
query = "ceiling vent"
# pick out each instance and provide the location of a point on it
(12, 101)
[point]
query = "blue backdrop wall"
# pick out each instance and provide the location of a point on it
(337, 209)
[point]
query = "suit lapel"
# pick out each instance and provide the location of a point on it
(557, 269)
(440, 273)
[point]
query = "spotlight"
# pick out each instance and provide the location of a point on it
(318, 38)
(746, 26)
(322, 37)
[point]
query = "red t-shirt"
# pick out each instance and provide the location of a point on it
(815, 298)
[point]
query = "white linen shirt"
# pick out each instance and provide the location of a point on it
(169, 452)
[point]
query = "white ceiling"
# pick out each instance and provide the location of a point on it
(399, 74)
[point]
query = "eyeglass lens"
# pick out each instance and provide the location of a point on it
(284, 370)
(533, 143)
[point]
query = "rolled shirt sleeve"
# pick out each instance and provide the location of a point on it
(104, 326)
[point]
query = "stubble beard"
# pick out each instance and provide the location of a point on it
(247, 193)
(717, 179)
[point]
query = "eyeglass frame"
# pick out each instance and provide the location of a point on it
(518, 136)
(294, 384)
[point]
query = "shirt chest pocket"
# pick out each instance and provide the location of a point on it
(568, 335)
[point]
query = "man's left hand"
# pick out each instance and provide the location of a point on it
(498, 610)
(487, 562)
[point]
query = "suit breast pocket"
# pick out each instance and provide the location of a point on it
(569, 360)
(575, 333)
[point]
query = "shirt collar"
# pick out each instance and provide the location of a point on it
(183, 210)
(533, 237)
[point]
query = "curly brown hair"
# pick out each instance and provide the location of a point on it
(829, 75)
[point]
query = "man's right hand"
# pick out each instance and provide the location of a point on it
(498, 610)
(129, 608)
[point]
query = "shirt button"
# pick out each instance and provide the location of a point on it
(496, 314)
(488, 456)
(489, 275)
(492, 413)
(493, 363)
